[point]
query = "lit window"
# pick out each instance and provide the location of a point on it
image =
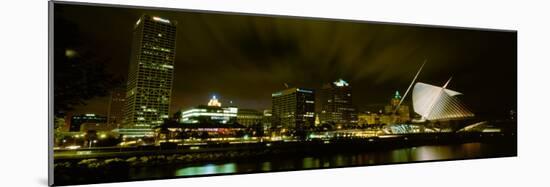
(69, 53)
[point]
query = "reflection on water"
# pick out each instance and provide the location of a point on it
(296, 162)
(266, 166)
(207, 169)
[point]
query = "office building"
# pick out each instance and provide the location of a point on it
(213, 113)
(150, 74)
(78, 120)
(293, 109)
(249, 117)
(115, 116)
(368, 118)
(336, 105)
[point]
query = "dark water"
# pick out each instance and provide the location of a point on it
(312, 161)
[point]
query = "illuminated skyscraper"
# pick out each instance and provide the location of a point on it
(336, 104)
(293, 109)
(151, 73)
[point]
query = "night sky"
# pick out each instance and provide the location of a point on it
(244, 59)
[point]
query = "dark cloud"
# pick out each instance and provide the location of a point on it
(245, 58)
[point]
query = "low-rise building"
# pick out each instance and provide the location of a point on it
(211, 113)
(249, 117)
(78, 120)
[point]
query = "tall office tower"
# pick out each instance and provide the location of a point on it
(293, 109)
(336, 104)
(150, 74)
(116, 107)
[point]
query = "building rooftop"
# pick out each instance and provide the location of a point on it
(292, 90)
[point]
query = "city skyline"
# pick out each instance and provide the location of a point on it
(143, 94)
(268, 53)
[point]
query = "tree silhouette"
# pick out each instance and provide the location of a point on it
(79, 74)
(258, 129)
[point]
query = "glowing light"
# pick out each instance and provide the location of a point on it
(341, 83)
(138, 21)
(83, 152)
(70, 53)
(150, 110)
(214, 102)
(231, 110)
(209, 114)
(161, 20)
(160, 49)
(73, 147)
(397, 95)
(193, 111)
(304, 91)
